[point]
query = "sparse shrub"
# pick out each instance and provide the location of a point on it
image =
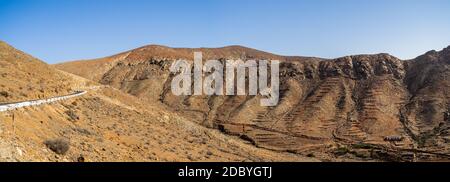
(341, 151)
(361, 154)
(59, 146)
(81, 159)
(83, 131)
(209, 153)
(310, 155)
(72, 115)
(362, 146)
(4, 93)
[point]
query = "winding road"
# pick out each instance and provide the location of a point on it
(16, 105)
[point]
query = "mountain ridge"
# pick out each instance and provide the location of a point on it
(155, 47)
(324, 103)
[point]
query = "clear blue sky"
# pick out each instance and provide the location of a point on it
(61, 30)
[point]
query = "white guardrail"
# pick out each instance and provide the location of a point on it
(16, 105)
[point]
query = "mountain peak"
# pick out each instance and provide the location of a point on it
(446, 50)
(227, 52)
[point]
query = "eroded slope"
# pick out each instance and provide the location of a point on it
(363, 100)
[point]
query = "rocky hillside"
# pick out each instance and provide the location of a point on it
(103, 125)
(22, 77)
(360, 107)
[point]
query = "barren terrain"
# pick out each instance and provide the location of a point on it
(361, 107)
(105, 124)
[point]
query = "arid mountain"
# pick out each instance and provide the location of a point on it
(359, 107)
(19, 79)
(104, 124)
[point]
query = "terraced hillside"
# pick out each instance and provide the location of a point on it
(356, 107)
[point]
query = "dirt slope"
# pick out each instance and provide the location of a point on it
(22, 77)
(103, 125)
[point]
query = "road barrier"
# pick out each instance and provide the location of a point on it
(16, 105)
